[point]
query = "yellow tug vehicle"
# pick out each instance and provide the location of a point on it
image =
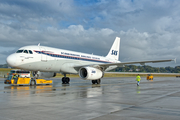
(149, 77)
(28, 81)
(17, 78)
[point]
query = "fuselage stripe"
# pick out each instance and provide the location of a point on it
(69, 57)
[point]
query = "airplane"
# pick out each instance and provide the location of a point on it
(47, 61)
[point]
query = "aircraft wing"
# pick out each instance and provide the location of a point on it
(121, 64)
(137, 62)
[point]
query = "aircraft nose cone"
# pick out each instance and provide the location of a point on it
(11, 60)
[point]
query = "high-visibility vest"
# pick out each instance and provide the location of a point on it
(138, 78)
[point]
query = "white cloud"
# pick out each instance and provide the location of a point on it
(73, 29)
(148, 29)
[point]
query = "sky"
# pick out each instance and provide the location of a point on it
(149, 29)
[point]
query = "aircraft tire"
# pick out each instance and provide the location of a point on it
(65, 80)
(98, 81)
(33, 83)
(93, 81)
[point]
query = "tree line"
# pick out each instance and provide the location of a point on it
(146, 68)
(4, 66)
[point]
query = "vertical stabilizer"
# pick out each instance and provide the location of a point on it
(114, 51)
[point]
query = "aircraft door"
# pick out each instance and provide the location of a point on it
(43, 54)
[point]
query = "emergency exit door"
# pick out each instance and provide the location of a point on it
(43, 54)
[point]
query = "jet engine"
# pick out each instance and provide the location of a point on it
(90, 73)
(39, 74)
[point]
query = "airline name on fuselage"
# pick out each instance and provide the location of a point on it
(76, 55)
(25, 57)
(63, 53)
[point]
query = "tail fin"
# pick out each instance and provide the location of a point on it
(114, 51)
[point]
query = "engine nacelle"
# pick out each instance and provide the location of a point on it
(90, 73)
(39, 74)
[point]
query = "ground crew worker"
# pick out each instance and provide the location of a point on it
(138, 79)
(15, 77)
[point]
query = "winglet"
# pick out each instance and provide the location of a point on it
(175, 60)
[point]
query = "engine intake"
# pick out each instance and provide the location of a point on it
(90, 73)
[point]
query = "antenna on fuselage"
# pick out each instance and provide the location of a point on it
(39, 44)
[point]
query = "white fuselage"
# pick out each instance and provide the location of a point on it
(50, 59)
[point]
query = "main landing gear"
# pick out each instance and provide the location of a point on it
(96, 81)
(65, 80)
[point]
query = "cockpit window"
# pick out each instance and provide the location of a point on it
(25, 51)
(30, 52)
(19, 51)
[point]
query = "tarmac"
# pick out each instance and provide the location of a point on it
(114, 99)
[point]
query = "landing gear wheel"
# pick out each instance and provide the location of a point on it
(65, 80)
(32, 83)
(93, 81)
(96, 81)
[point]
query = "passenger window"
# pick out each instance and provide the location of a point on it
(25, 51)
(30, 52)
